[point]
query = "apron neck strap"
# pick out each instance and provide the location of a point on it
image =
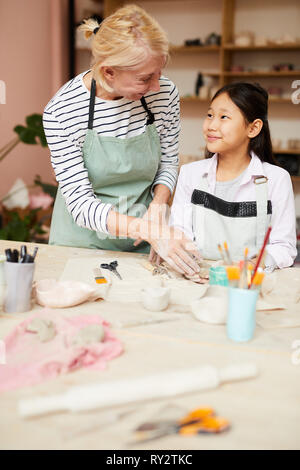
(92, 104)
(261, 189)
(150, 119)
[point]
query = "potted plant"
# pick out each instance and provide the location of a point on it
(26, 224)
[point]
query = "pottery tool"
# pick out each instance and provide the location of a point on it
(23, 253)
(106, 419)
(12, 256)
(167, 383)
(198, 421)
(233, 274)
(111, 267)
(98, 276)
(34, 252)
(260, 255)
(229, 260)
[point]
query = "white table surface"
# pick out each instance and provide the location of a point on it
(264, 411)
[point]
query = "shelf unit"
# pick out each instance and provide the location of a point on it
(225, 54)
(196, 99)
(225, 51)
(267, 47)
(225, 75)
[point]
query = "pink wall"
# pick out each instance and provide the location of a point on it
(33, 65)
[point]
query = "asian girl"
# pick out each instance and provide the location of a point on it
(237, 191)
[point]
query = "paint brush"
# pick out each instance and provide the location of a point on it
(227, 253)
(249, 274)
(258, 279)
(222, 254)
(233, 274)
(244, 265)
(260, 254)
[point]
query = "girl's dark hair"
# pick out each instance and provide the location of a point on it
(252, 100)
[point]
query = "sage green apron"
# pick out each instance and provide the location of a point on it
(121, 172)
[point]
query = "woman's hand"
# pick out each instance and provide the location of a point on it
(169, 243)
(154, 258)
(157, 213)
(177, 250)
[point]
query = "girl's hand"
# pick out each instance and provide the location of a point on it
(253, 261)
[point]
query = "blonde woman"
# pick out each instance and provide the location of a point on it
(113, 136)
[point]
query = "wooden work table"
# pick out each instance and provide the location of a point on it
(264, 411)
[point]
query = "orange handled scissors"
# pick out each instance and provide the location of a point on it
(198, 421)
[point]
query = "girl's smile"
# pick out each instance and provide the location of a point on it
(212, 138)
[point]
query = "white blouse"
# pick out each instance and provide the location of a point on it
(281, 249)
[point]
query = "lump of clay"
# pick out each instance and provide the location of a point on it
(89, 334)
(45, 329)
(54, 294)
(210, 310)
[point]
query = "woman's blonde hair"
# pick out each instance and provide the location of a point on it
(124, 40)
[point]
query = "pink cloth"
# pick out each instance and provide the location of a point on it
(29, 361)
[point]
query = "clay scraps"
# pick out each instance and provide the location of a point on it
(48, 344)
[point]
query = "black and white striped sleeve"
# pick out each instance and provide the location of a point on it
(67, 161)
(167, 173)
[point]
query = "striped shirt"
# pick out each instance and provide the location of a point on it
(65, 123)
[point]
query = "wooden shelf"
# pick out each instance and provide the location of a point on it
(177, 49)
(211, 74)
(286, 151)
(194, 49)
(288, 73)
(280, 100)
(269, 47)
(196, 99)
(193, 99)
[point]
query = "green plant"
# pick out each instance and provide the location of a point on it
(25, 225)
(27, 134)
(24, 229)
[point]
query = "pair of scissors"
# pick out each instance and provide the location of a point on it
(198, 421)
(111, 267)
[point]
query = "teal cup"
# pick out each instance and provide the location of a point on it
(218, 276)
(241, 318)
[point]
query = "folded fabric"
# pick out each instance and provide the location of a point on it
(74, 345)
(56, 294)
